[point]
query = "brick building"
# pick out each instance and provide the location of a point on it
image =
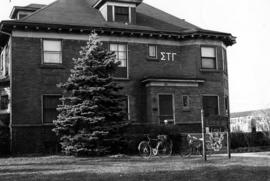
(170, 69)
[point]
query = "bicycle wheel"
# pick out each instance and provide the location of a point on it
(164, 148)
(186, 152)
(144, 149)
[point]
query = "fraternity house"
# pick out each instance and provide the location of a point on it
(170, 69)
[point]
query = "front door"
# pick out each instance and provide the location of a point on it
(166, 110)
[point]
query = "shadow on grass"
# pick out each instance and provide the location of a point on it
(235, 173)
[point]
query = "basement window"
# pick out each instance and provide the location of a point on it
(52, 52)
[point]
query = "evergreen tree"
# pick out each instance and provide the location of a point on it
(92, 108)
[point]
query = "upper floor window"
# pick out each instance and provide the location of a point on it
(224, 58)
(208, 57)
(52, 51)
(120, 52)
(121, 14)
(50, 103)
(152, 51)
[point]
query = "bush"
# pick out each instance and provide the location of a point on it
(249, 140)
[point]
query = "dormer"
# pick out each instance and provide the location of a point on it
(19, 12)
(121, 11)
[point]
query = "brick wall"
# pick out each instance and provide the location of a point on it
(31, 79)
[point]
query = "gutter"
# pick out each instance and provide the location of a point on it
(5, 33)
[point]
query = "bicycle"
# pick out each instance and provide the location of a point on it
(161, 146)
(195, 146)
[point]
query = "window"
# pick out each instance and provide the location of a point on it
(50, 103)
(52, 52)
(166, 109)
(4, 102)
(210, 105)
(208, 56)
(226, 105)
(121, 14)
(186, 102)
(224, 58)
(120, 52)
(152, 51)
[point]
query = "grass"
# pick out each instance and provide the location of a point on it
(62, 168)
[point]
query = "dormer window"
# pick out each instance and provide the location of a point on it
(121, 14)
(22, 14)
(118, 11)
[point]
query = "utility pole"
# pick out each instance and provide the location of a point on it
(203, 135)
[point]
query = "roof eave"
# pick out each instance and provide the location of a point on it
(227, 38)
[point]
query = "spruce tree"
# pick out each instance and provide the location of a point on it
(92, 109)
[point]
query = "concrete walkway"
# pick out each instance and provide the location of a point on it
(252, 154)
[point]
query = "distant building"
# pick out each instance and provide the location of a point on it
(250, 121)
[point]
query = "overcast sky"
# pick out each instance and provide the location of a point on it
(248, 60)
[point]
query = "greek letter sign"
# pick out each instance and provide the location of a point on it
(168, 56)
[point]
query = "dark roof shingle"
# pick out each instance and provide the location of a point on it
(81, 13)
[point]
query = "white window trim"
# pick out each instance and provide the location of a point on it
(42, 106)
(121, 5)
(173, 104)
(156, 55)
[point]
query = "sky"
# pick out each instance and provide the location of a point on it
(248, 60)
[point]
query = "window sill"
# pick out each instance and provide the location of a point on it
(52, 66)
(210, 70)
(186, 109)
(152, 59)
(119, 79)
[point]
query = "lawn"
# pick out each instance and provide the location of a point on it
(60, 168)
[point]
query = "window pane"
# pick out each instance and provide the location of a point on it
(113, 47)
(121, 14)
(208, 63)
(122, 55)
(121, 10)
(120, 52)
(208, 52)
(123, 63)
(152, 51)
(52, 45)
(50, 57)
(122, 48)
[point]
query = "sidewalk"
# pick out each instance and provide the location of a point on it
(252, 154)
